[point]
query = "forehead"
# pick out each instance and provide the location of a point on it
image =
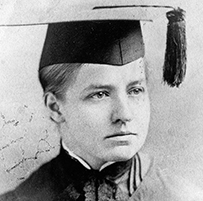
(109, 74)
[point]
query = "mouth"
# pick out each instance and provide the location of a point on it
(121, 134)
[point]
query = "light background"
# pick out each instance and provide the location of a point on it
(28, 139)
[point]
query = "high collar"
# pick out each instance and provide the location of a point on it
(79, 182)
(83, 162)
(79, 171)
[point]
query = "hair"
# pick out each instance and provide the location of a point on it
(57, 78)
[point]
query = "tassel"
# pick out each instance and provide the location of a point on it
(174, 69)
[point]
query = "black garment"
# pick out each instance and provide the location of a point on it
(64, 178)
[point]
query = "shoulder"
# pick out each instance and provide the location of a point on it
(39, 184)
(181, 188)
(159, 184)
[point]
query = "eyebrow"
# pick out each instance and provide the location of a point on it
(135, 83)
(109, 86)
(98, 86)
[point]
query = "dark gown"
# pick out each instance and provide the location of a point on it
(65, 179)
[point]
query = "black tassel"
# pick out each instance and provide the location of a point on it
(175, 57)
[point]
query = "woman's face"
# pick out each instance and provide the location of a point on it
(106, 112)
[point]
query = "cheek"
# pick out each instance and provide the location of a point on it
(146, 111)
(142, 114)
(145, 114)
(92, 117)
(145, 119)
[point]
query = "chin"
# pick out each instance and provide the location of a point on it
(122, 154)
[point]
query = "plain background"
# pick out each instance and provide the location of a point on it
(28, 138)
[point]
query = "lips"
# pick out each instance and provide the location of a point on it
(120, 134)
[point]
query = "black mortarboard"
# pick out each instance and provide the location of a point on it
(114, 42)
(105, 34)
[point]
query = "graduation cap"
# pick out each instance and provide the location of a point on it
(105, 34)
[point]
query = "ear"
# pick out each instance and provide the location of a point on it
(53, 105)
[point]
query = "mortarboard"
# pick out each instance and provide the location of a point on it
(104, 33)
(115, 42)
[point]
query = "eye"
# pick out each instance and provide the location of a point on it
(136, 91)
(99, 95)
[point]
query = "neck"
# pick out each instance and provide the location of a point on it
(93, 165)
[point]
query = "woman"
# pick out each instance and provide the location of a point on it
(93, 74)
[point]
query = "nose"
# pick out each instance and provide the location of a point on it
(122, 111)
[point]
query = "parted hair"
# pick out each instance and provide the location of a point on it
(57, 78)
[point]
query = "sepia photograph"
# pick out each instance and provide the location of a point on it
(101, 100)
